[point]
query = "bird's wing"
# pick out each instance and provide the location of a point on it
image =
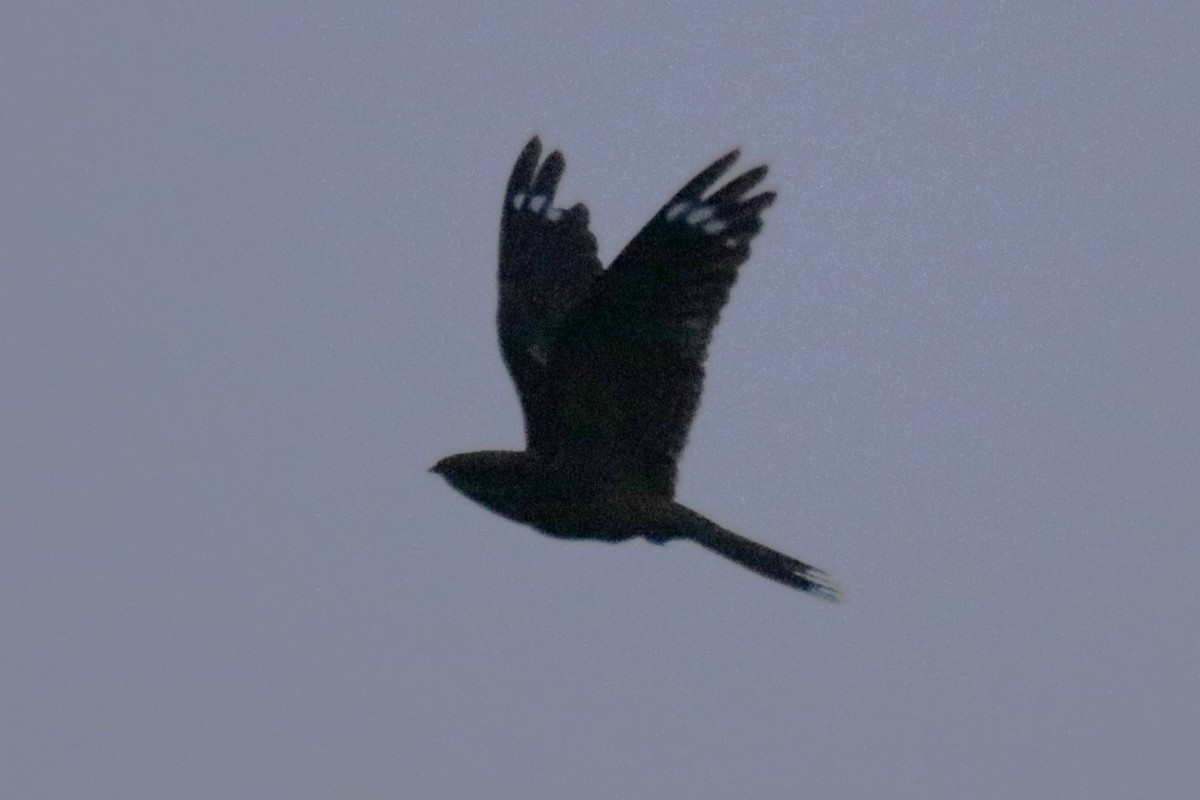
(628, 364)
(547, 263)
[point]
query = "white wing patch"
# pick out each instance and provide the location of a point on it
(675, 210)
(703, 217)
(537, 204)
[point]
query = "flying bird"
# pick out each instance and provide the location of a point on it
(609, 364)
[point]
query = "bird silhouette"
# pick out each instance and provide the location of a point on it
(609, 364)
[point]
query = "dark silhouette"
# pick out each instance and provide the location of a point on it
(609, 364)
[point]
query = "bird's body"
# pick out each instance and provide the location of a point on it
(608, 364)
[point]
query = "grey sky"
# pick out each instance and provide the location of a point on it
(247, 300)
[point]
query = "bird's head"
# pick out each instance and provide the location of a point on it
(488, 468)
(463, 471)
(497, 479)
(451, 466)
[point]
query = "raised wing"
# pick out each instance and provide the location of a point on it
(547, 264)
(627, 368)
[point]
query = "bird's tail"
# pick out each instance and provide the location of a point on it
(760, 558)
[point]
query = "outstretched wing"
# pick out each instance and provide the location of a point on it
(628, 364)
(547, 263)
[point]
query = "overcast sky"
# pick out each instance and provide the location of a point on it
(247, 299)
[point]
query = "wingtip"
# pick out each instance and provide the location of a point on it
(525, 167)
(726, 161)
(819, 584)
(532, 151)
(700, 184)
(546, 179)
